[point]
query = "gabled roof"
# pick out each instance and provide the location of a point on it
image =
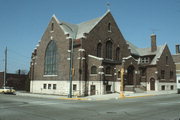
(77, 31)
(146, 52)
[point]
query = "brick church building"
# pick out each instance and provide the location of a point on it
(99, 52)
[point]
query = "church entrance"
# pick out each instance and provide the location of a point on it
(130, 75)
(152, 84)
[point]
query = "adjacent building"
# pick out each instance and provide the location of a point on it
(99, 51)
(17, 81)
(176, 58)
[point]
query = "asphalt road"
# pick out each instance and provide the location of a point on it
(164, 107)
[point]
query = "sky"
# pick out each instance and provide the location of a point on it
(23, 22)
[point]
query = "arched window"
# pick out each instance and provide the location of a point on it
(118, 53)
(109, 49)
(50, 65)
(109, 27)
(108, 70)
(93, 70)
(166, 60)
(52, 26)
(99, 47)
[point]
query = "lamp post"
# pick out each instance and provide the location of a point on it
(122, 81)
(5, 67)
(71, 68)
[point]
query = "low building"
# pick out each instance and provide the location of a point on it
(176, 58)
(17, 81)
(99, 52)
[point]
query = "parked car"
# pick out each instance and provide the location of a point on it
(7, 90)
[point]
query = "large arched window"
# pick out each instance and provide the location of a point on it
(99, 48)
(109, 49)
(50, 65)
(93, 70)
(118, 53)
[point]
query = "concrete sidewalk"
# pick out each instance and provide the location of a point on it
(98, 97)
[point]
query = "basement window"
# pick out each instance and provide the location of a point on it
(44, 86)
(163, 87)
(74, 87)
(49, 86)
(172, 87)
(54, 86)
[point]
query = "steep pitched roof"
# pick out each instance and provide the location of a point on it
(146, 52)
(76, 31)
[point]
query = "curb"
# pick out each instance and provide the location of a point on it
(73, 98)
(138, 96)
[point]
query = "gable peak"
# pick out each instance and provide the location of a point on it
(54, 16)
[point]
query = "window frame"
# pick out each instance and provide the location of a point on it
(108, 70)
(109, 27)
(44, 86)
(117, 53)
(93, 69)
(162, 74)
(54, 86)
(99, 50)
(50, 60)
(74, 87)
(109, 49)
(49, 86)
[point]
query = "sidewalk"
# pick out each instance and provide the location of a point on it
(97, 97)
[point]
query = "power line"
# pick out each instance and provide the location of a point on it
(19, 54)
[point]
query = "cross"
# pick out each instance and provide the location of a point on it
(108, 6)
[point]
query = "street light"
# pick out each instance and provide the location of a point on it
(71, 69)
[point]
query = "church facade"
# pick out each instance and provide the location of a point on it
(99, 51)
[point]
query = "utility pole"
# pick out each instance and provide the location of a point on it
(5, 67)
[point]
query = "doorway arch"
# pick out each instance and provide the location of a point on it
(152, 84)
(130, 75)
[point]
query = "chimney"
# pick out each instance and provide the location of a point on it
(177, 49)
(153, 43)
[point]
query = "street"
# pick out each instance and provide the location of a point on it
(163, 107)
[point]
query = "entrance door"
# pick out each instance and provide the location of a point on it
(108, 89)
(93, 90)
(130, 75)
(152, 84)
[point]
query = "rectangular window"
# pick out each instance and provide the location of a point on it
(162, 74)
(145, 60)
(163, 87)
(74, 87)
(178, 81)
(54, 86)
(44, 86)
(166, 60)
(171, 74)
(49, 86)
(172, 87)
